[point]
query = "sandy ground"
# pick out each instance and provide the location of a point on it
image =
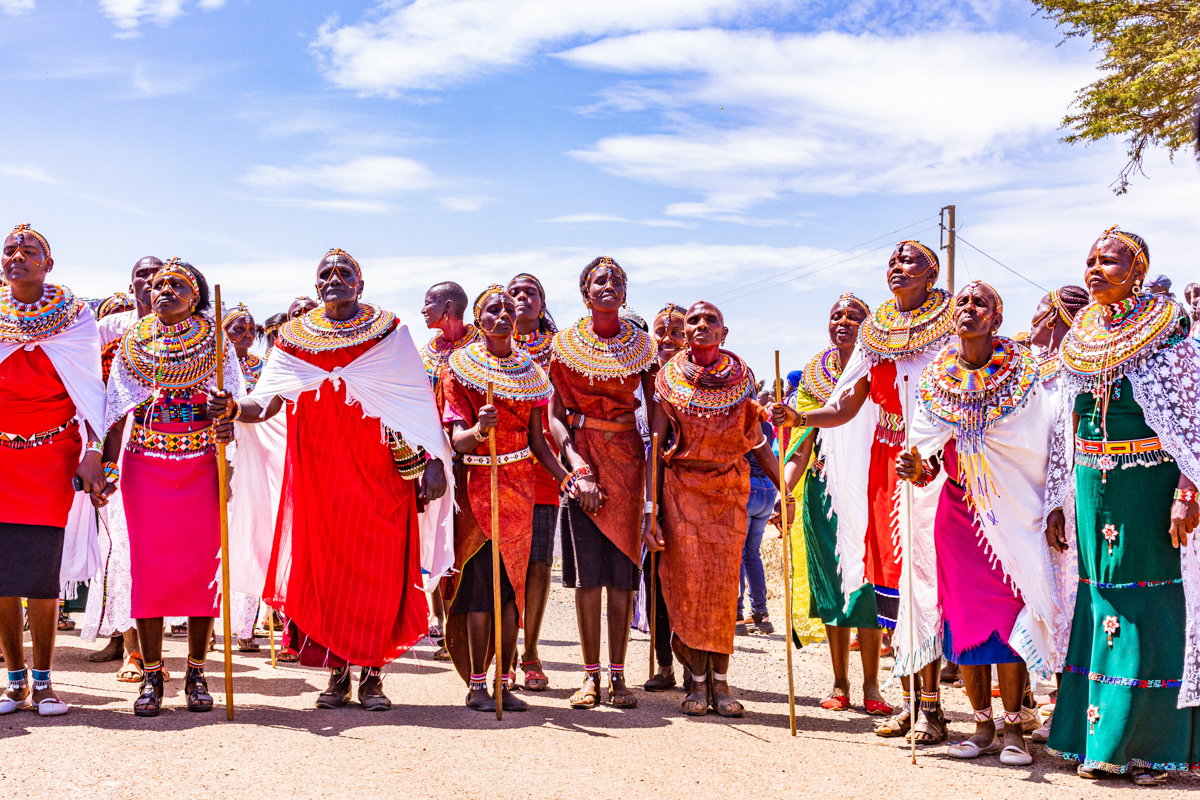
(279, 745)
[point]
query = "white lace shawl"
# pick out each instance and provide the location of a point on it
(1166, 385)
(75, 354)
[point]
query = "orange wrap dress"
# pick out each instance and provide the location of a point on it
(706, 485)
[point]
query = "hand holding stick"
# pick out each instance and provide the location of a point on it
(652, 599)
(223, 499)
(497, 614)
(787, 566)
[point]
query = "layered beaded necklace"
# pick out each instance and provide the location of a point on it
(1097, 353)
(704, 391)
(252, 367)
(177, 356)
(820, 374)
(515, 377)
(890, 333)
(315, 332)
(537, 344)
(437, 351)
(971, 400)
(25, 323)
(628, 353)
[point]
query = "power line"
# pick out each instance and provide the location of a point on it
(819, 260)
(1001, 263)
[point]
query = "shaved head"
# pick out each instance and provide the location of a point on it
(449, 291)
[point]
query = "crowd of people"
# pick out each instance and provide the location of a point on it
(948, 492)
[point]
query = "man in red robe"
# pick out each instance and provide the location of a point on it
(365, 451)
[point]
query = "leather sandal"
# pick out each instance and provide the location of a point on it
(131, 670)
(482, 702)
(149, 702)
(724, 703)
(1147, 777)
(896, 725)
(195, 686)
(661, 683)
(370, 691)
(588, 695)
(511, 702)
(535, 679)
(695, 704)
(930, 727)
(337, 694)
(620, 698)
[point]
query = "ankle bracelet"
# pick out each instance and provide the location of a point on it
(720, 677)
(370, 672)
(152, 666)
(41, 679)
(16, 680)
(195, 663)
(1012, 718)
(616, 669)
(983, 714)
(478, 682)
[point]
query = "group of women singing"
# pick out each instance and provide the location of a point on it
(992, 503)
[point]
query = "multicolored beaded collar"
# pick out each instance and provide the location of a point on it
(114, 304)
(23, 323)
(317, 333)
(735, 383)
(1098, 353)
(1048, 366)
(436, 351)
(628, 353)
(177, 356)
(820, 374)
(537, 344)
(252, 367)
(515, 377)
(890, 334)
(972, 400)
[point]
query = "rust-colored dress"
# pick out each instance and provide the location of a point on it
(706, 485)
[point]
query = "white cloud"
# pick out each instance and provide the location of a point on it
(432, 44)
(29, 171)
(344, 205)
(369, 175)
(592, 217)
(128, 14)
(14, 7)
(468, 202)
(755, 116)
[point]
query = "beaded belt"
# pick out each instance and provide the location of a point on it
(1107, 456)
(15, 441)
(175, 446)
(501, 458)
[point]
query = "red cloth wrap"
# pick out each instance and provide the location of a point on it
(619, 463)
(706, 485)
(33, 399)
(883, 559)
(346, 561)
(473, 526)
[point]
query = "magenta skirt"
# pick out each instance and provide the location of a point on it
(171, 508)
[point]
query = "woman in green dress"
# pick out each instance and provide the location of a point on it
(1131, 682)
(814, 530)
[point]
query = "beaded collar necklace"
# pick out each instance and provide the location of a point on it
(317, 333)
(252, 367)
(177, 356)
(24, 323)
(820, 374)
(437, 351)
(1049, 365)
(628, 353)
(972, 400)
(537, 344)
(890, 334)
(515, 376)
(1098, 353)
(732, 383)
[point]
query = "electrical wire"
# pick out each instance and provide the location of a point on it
(1001, 263)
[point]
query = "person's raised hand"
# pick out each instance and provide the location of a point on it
(1056, 531)
(433, 481)
(221, 404)
(909, 466)
(782, 415)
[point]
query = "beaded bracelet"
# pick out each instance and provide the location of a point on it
(95, 446)
(1187, 495)
(112, 472)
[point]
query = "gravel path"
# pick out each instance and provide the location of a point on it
(280, 746)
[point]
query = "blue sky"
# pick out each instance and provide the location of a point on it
(705, 144)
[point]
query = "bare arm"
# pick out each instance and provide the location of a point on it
(587, 488)
(651, 532)
(767, 459)
(541, 448)
(112, 452)
(833, 415)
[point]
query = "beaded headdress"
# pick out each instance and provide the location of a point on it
(672, 310)
(990, 290)
(239, 310)
(603, 261)
(1057, 304)
(111, 305)
(528, 277)
(22, 230)
(930, 258)
(494, 288)
(175, 267)
(851, 299)
(336, 253)
(271, 328)
(1139, 253)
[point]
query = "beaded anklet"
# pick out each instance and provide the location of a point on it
(196, 663)
(41, 679)
(984, 714)
(16, 679)
(478, 682)
(1012, 718)
(151, 666)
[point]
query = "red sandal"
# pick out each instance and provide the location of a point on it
(535, 679)
(839, 703)
(878, 708)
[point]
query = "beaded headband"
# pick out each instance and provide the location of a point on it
(605, 261)
(175, 267)
(114, 303)
(672, 310)
(495, 288)
(529, 277)
(22, 230)
(850, 299)
(338, 253)
(1058, 305)
(272, 328)
(239, 310)
(1139, 254)
(930, 258)
(985, 285)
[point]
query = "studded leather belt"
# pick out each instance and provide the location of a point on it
(501, 458)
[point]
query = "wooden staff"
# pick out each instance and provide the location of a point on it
(496, 612)
(787, 564)
(908, 556)
(223, 501)
(652, 601)
(271, 633)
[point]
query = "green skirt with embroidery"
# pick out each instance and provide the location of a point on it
(1116, 703)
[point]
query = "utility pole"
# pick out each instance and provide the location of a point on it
(948, 245)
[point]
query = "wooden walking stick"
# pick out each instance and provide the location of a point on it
(908, 556)
(652, 600)
(496, 610)
(787, 564)
(223, 500)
